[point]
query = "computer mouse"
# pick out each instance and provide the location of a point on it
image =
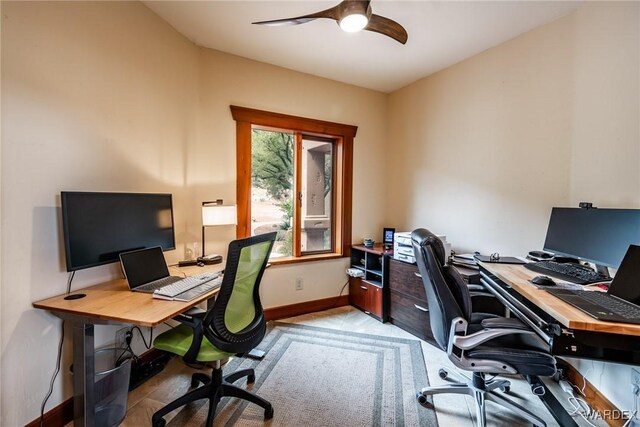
(543, 281)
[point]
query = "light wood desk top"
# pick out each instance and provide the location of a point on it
(517, 276)
(113, 302)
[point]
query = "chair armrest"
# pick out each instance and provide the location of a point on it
(476, 290)
(481, 294)
(467, 342)
(195, 312)
(191, 317)
(504, 322)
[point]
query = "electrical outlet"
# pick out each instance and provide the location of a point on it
(121, 335)
(299, 284)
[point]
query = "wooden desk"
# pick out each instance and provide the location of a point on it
(517, 277)
(109, 303)
(569, 331)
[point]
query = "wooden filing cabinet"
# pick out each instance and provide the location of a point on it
(408, 307)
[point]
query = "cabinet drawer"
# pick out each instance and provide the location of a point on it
(366, 296)
(409, 314)
(374, 300)
(402, 279)
(356, 294)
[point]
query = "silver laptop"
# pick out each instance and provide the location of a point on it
(146, 270)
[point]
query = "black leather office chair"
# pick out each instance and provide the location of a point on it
(474, 342)
(235, 324)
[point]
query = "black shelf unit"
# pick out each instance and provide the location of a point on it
(369, 293)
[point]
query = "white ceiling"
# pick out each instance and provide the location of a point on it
(441, 33)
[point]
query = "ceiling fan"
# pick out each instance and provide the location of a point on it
(352, 16)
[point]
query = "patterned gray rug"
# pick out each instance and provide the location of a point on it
(324, 377)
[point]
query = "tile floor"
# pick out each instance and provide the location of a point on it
(452, 410)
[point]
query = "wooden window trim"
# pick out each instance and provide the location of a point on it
(344, 134)
(335, 142)
(305, 258)
(297, 202)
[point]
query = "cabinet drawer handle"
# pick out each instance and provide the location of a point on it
(364, 288)
(426, 310)
(418, 275)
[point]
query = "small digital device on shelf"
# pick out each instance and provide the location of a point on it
(387, 237)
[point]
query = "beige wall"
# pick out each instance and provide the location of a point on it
(605, 113)
(227, 79)
(95, 96)
(1, 257)
(485, 148)
(108, 97)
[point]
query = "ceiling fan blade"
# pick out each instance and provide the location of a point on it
(388, 27)
(331, 13)
(286, 21)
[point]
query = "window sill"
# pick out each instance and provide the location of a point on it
(306, 258)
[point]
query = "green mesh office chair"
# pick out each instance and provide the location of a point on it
(234, 325)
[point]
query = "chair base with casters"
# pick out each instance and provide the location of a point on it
(482, 391)
(215, 388)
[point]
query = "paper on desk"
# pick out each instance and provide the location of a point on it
(468, 257)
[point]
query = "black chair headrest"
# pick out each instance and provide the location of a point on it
(423, 237)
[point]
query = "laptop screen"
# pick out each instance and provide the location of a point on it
(626, 283)
(143, 266)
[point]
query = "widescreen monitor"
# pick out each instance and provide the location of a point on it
(601, 236)
(97, 227)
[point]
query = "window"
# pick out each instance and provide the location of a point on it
(294, 177)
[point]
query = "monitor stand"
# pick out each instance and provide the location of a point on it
(602, 270)
(566, 259)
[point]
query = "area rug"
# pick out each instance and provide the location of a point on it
(324, 377)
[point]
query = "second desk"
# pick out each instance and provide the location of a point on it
(568, 330)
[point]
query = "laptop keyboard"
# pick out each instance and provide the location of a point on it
(157, 284)
(183, 285)
(614, 305)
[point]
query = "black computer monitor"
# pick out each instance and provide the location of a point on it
(601, 236)
(97, 227)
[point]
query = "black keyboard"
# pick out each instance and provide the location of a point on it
(617, 306)
(570, 272)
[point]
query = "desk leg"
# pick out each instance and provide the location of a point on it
(84, 398)
(554, 406)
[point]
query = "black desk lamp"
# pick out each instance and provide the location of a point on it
(215, 213)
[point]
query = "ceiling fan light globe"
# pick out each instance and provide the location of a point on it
(353, 23)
